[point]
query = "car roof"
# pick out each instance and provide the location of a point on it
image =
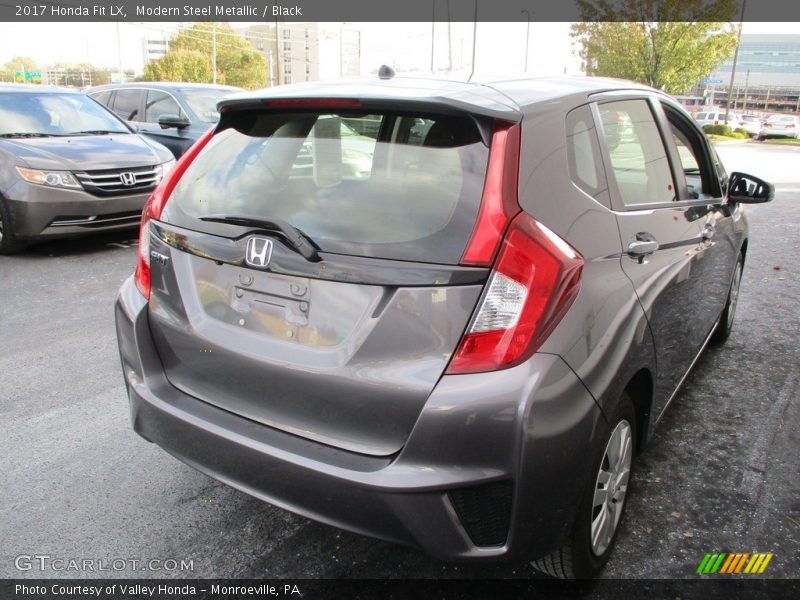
(35, 87)
(503, 97)
(162, 85)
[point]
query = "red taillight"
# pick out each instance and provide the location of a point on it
(153, 208)
(534, 282)
(716, 122)
(499, 201)
(790, 126)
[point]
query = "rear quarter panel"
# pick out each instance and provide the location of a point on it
(604, 337)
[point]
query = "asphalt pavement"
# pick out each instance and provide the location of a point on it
(721, 472)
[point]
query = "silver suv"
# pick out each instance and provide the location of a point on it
(459, 346)
(69, 167)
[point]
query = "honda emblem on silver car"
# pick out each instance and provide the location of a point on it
(259, 251)
(127, 178)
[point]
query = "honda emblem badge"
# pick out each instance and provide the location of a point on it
(259, 251)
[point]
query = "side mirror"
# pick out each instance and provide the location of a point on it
(748, 189)
(167, 121)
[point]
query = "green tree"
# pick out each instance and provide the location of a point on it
(16, 62)
(666, 44)
(189, 58)
(180, 65)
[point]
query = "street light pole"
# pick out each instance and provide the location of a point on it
(735, 58)
(527, 36)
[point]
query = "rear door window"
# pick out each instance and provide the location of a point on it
(638, 158)
(102, 97)
(396, 186)
(160, 103)
(128, 104)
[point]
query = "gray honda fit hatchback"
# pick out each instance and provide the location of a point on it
(459, 347)
(69, 167)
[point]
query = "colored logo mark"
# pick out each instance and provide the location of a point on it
(732, 563)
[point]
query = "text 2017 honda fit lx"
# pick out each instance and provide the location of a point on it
(458, 345)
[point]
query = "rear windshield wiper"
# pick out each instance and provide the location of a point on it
(298, 240)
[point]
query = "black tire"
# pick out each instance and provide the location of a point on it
(9, 244)
(580, 558)
(725, 325)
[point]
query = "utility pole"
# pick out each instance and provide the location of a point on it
(746, 84)
(474, 40)
(278, 64)
(449, 41)
(119, 57)
(735, 57)
(527, 36)
(213, 53)
(433, 34)
(271, 68)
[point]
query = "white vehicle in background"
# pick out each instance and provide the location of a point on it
(780, 126)
(734, 120)
(752, 124)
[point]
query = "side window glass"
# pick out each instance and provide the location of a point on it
(127, 104)
(638, 158)
(102, 97)
(689, 164)
(722, 174)
(160, 103)
(696, 162)
(583, 155)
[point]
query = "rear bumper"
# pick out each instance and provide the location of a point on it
(41, 212)
(526, 429)
(778, 133)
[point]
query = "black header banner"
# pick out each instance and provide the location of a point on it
(367, 10)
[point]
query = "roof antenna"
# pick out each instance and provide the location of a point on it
(386, 72)
(474, 41)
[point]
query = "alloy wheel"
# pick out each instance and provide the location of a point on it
(611, 487)
(733, 298)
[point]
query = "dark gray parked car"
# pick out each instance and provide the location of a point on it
(461, 350)
(69, 167)
(173, 114)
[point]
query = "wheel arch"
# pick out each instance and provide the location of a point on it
(640, 388)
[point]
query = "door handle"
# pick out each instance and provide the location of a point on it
(641, 248)
(708, 232)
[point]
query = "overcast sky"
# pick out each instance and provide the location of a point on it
(500, 46)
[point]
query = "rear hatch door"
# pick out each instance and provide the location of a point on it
(307, 269)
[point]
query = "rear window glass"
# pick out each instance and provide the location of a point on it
(394, 186)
